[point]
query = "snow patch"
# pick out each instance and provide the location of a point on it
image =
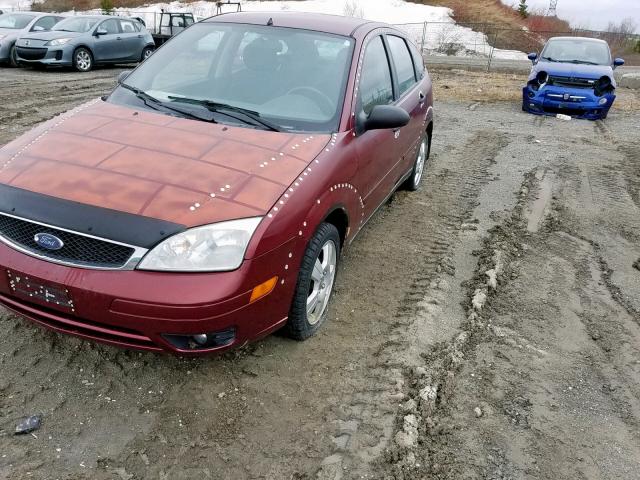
(442, 36)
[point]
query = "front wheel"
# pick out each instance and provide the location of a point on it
(13, 57)
(413, 182)
(315, 283)
(82, 60)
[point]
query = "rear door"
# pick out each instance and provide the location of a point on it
(132, 41)
(377, 150)
(411, 98)
(109, 47)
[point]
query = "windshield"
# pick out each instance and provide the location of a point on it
(15, 21)
(577, 51)
(76, 24)
(294, 79)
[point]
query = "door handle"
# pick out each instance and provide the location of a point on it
(118, 38)
(139, 36)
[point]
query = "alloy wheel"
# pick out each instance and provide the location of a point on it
(83, 60)
(322, 280)
(420, 161)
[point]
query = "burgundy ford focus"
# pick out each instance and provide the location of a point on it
(205, 202)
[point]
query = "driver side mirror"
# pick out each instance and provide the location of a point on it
(383, 117)
(123, 76)
(100, 31)
(533, 57)
(618, 62)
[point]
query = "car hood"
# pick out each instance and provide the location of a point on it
(572, 70)
(173, 169)
(9, 32)
(51, 35)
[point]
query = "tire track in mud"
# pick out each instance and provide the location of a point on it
(29, 97)
(451, 188)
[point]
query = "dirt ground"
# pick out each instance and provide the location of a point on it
(485, 327)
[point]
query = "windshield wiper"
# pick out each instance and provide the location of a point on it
(550, 59)
(581, 62)
(218, 107)
(146, 98)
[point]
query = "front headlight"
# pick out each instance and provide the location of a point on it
(57, 42)
(213, 248)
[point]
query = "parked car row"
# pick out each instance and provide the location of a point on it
(45, 39)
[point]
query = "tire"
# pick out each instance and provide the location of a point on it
(13, 56)
(82, 60)
(146, 53)
(314, 285)
(413, 182)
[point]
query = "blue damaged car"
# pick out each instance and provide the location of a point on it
(573, 76)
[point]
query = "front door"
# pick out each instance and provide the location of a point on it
(377, 150)
(108, 46)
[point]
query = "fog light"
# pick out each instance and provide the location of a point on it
(200, 339)
(602, 101)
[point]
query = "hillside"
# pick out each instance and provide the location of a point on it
(504, 27)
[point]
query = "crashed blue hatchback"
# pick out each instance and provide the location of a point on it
(573, 76)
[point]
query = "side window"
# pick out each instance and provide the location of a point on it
(418, 61)
(375, 84)
(403, 62)
(44, 24)
(127, 26)
(111, 26)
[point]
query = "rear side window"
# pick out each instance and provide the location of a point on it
(375, 84)
(418, 61)
(403, 63)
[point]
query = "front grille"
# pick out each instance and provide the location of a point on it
(31, 53)
(574, 112)
(571, 82)
(77, 250)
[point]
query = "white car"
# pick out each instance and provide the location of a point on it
(15, 24)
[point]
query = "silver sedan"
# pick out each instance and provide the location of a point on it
(16, 24)
(85, 41)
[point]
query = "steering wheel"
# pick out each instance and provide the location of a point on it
(323, 102)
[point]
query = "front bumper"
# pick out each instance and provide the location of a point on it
(45, 56)
(149, 310)
(576, 102)
(5, 50)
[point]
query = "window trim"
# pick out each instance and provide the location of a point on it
(392, 59)
(117, 20)
(394, 86)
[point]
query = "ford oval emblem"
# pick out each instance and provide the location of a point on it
(48, 241)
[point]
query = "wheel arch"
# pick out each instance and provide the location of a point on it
(339, 218)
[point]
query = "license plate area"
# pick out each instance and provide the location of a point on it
(37, 291)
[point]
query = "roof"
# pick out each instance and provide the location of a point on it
(321, 22)
(578, 38)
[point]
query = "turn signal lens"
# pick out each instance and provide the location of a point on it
(263, 289)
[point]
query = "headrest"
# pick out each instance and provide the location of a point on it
(262, 54)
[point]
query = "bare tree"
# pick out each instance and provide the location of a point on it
(352, 8)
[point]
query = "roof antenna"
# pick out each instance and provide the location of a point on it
(270, 22)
